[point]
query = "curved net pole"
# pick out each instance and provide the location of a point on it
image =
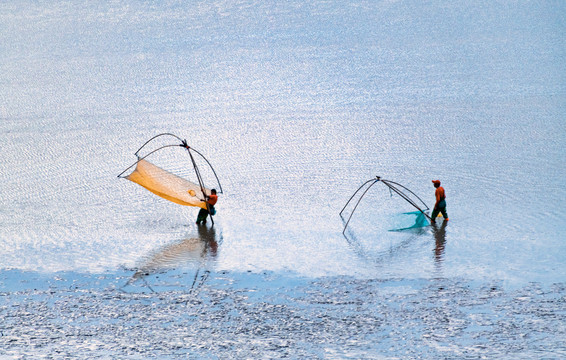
(200, 182)
(360, 199)
(140, 159)
(386, 182)
(409, 200)
(155, 137)
(213, 171)
(182, 144)
(364, 184)
(147, 142)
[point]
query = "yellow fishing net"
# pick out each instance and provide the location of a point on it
(167, 185)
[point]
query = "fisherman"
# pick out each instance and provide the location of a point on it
(211, 201)
(440, 205)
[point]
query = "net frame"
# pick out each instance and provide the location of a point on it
(135, 174)
(394, 187)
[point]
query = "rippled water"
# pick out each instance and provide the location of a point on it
(296, 105)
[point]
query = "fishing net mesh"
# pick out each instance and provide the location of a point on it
(167, 185)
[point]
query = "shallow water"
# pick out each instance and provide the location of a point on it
(296, 105)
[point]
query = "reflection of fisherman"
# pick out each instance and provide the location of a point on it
(440, 237)
(211, 201)
(208, 236)
(440, 205)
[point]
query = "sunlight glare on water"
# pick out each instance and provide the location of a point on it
(294, 120)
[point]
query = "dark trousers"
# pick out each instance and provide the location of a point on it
(202, 215)
(441, 208)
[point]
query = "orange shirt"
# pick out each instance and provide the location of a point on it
(440, 195)
(212, 199)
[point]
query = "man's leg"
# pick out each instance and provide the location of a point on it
(201, 215)
(444, 213)
(434, 215)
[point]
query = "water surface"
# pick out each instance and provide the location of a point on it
(296, 105)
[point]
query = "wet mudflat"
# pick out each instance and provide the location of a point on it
(232, 315)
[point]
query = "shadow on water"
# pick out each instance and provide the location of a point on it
(191, 253)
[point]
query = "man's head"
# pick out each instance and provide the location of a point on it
(436, 183)
(213, 191)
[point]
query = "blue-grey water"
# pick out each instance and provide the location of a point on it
(296, 104)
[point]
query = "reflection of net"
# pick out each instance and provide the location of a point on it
(167, 185)
(189, 251)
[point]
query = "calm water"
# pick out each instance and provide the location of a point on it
(296, 105)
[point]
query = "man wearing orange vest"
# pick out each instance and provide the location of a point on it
(440, 205)
(203, 213)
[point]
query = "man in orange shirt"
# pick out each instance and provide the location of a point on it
(203, 213)
(440, 205)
